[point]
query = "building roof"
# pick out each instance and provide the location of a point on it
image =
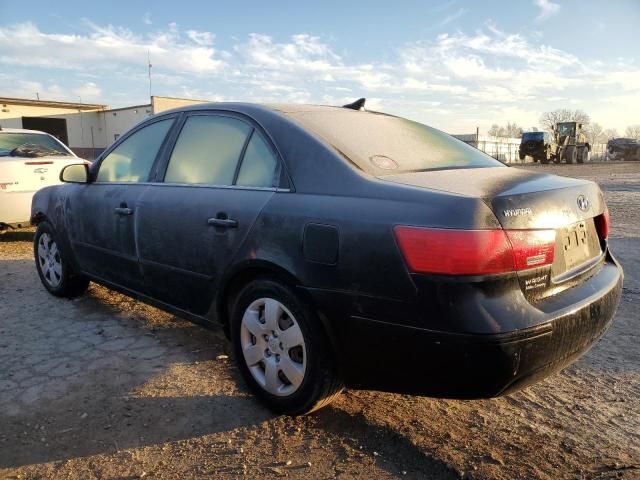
(20, 130)
(51, 103)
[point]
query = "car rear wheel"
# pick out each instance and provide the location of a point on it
(281, 349)
(53, 266)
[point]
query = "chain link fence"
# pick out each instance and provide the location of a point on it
(507, 149)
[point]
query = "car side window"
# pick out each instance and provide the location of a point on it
(131, 161)
(258, 168)
(208, 150)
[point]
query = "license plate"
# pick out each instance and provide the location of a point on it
(578, 244)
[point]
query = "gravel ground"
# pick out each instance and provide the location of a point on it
(107, 387)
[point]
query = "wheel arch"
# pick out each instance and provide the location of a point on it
(247, 271)
(240, 276)
(38, 217)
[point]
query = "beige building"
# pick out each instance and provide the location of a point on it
(86, 128)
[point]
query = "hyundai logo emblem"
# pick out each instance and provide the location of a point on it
(583, 203)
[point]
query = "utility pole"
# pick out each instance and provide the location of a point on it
(149, 66)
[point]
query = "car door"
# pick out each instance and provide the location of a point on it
(218, 177)
(101, 216)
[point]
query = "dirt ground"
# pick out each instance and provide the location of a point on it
(107, 387)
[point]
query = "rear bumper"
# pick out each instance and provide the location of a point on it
(533, 152)
(15, 208)
(381, 355)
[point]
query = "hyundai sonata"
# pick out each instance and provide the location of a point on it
(339, 247)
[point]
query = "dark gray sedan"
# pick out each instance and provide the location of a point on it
(339, 247)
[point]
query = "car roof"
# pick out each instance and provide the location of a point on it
(246, 107)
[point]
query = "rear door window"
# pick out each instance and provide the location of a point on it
(259, 164)
(208, 150)
(131, 161)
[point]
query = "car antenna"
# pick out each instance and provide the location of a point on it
(357, 105)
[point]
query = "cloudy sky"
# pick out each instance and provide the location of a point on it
(451, 64)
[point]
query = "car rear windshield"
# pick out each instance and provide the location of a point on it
(533, 136)
(383, 144)
(29, 145)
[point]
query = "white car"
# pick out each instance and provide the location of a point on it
(29, 161)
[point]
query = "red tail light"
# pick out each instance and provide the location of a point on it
(602, 224)
(474, 252)
(532, 248)
(38, 163)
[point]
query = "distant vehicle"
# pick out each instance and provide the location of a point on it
(572, 143)
(29, 160)
(623, 149)
(339, 247)
(540, 146)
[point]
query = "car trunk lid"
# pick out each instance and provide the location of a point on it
(27, 174)
(524, 200)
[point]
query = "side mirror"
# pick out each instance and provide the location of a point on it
(76, 173)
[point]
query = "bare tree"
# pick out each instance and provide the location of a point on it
(510, 130)
(633, 131)
(513, 130)
(610, 133)
(494, 130)
(594, 133)
(548, 120)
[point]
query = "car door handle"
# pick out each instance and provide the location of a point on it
(123, 211)
(222, 222)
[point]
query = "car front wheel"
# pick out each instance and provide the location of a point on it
(53, 265)
(282, 349)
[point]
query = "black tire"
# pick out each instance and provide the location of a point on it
(583, 155)
(320, 384)
(571, 155)
(66, 282)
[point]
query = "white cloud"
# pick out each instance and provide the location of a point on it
(107, 47)
(201, 38)
(547, 9)
(454, 81)
(88, 92)
(454, 16)
(146, 18)
(304, 52)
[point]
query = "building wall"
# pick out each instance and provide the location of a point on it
(121, 120)
(79, 122)
(161, 104)
(89, 130)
